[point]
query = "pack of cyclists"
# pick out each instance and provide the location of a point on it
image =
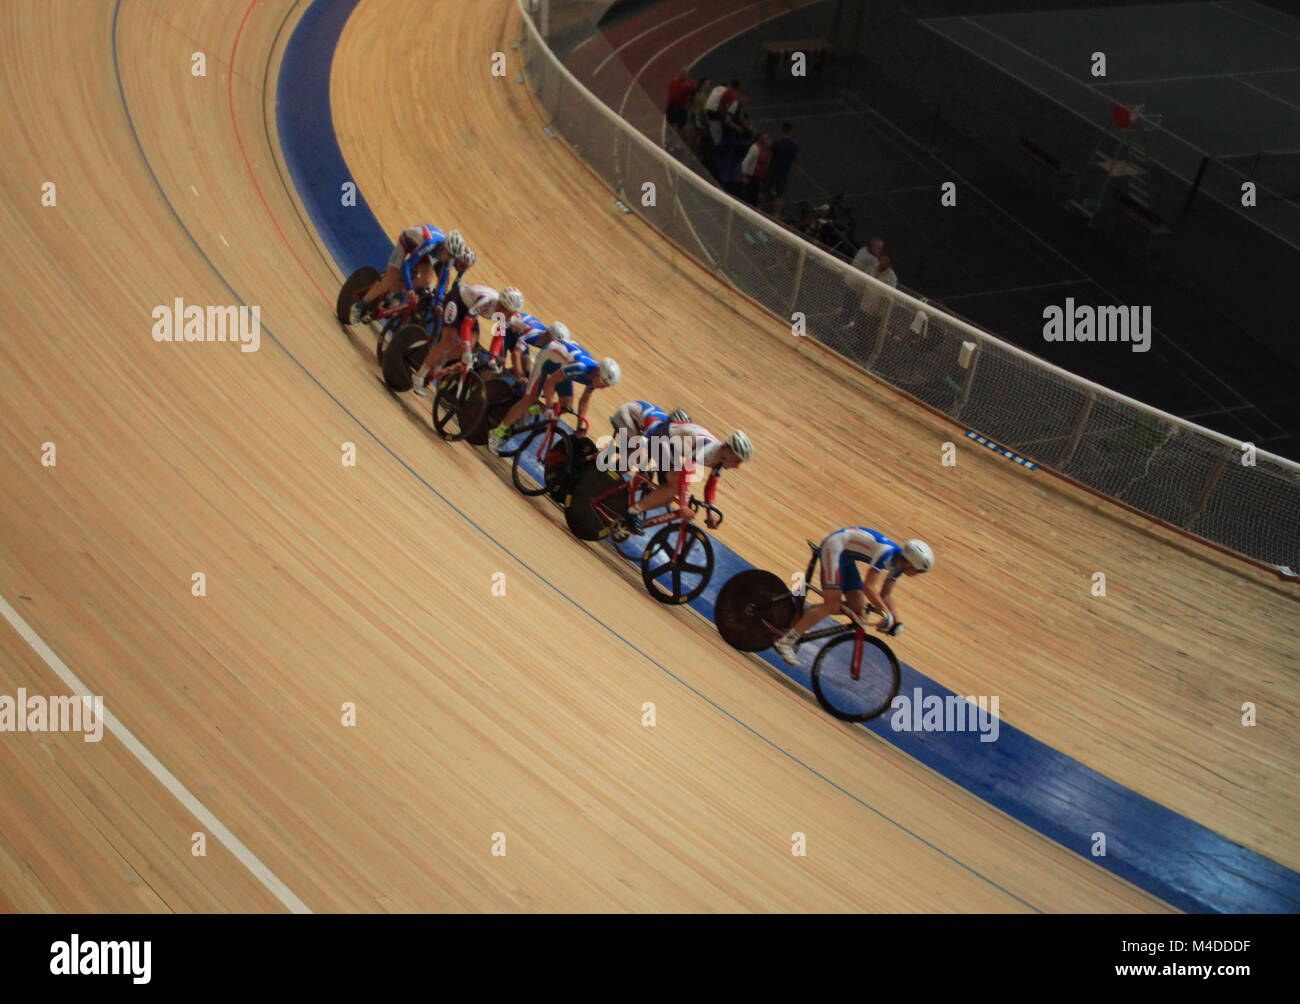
(683, 452)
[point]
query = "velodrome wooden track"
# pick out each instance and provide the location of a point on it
(519, 714)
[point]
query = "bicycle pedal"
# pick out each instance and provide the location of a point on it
(618, 533)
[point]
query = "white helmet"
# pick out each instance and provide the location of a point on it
(918, 555)
(679, 415)
(609, 372)
(511, 299)
(466, 261)
(455, 244)
(560, 332)
(740, 445)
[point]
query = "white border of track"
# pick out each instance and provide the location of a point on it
(155, 767)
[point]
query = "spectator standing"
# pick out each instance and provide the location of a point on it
(735, 136)
(783, 154)
(699, 120)
(754, 168)
(874, 301)
(713, 137)
(681, 88)
(866, 260)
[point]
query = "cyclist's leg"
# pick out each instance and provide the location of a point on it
(830, 605)
(564, 391)
(440, 352)
(839, 574)
(536, 382)
(854, 606)
(674, 487)
(389, 282)
(424, 274)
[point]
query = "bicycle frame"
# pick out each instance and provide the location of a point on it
(835, 630)
(683, 515)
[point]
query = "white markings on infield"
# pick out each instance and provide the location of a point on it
(154, 766)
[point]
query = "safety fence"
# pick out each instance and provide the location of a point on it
(1187, 476)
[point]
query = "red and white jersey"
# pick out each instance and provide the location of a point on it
(478, 300)
(698, 449)
(410, 240)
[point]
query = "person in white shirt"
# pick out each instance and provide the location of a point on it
(874, 300)
(865, 260)
(754, 167)
(713, 113)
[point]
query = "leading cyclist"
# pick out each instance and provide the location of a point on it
(844, 591)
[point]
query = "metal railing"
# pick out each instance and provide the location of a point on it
(1173, 470)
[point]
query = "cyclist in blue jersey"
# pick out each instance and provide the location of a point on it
(640, 422)
(512, 344)
(419, 260)
(844, 591)
(561, 364)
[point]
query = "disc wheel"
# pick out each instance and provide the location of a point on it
(863, 698)
(579, 513)
(555, 465)
(385, 336)
(752, 609)
(459, 404)
(500, 396)
(404, 353)
(357, 283)
(678, 578)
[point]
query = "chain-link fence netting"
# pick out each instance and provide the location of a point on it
(1159, 464)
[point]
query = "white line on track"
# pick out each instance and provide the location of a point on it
(643, 34)
(636, 77)
(154, 766)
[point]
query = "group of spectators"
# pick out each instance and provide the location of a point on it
(711, 117)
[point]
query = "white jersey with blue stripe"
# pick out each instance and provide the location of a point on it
(637, 417)
(860, 543)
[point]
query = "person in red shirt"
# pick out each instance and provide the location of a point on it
(681, 88)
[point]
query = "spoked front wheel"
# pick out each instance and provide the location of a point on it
(554, 466)
(677, 578)
(459, 404)
(855, 676)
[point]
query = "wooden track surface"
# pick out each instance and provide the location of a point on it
(519, 714)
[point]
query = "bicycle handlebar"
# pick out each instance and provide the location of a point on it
(697, 504)
(559, 412)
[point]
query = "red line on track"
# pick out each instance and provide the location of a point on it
(248, 166)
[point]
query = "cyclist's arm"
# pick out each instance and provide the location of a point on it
(876, 596)
(886, 593)
(406, 271)
(711, 486)
(441, 293)
(584, 403)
